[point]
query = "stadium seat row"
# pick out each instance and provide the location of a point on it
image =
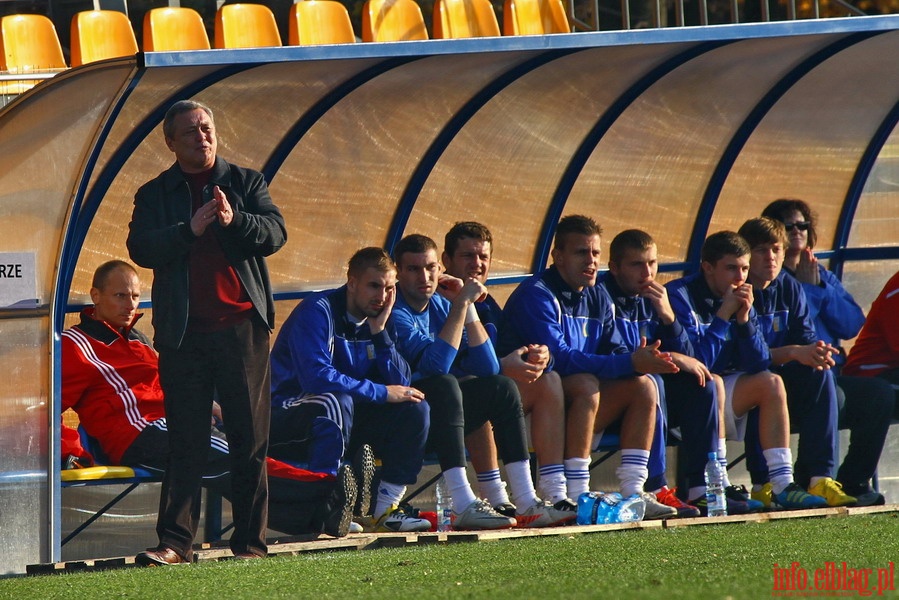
(30, 43)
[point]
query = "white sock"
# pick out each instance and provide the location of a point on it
(696, 492)
(552, 483)
(458, 487)
(780, 468)
(813, 481)
(722, 459)
(492, 487)
(633, 471)
(523, 494)
(389, 495)
(577, 476)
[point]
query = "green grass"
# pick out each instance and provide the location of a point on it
(722, 561)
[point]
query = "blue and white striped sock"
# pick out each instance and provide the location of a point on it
(389, 495)
(722, 459)
(780, 468)
(552, 483)
(491, 487)
(633, 471)
(577, 476)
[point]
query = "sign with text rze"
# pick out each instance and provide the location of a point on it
(18, 280)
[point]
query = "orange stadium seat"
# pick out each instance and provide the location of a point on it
(392, 21)
(174, 28)
(534, 17)
(101, 34)
(28, 44)
(464, 19)
(319, 22)
(246, 26)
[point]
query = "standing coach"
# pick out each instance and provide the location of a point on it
(204, 226)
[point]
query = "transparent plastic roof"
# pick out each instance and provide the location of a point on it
(677, 131)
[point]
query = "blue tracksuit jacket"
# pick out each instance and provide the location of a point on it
(578, 327)
(836, 314)
(783, 313)
(636, 318)
(491, 315)
(428, 355)
(319, 350)
(723, 346)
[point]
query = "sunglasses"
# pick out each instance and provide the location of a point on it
(800, 225)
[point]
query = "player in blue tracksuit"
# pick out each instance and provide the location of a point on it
(467, 253)
(715, 307)
(338, 382)
(866, 403)
(799, 357)
(724, 345)
(456, 366)
(563, 309)
(688, 398)
(430, 354)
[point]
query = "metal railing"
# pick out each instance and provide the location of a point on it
(590, 15)
(13, 83)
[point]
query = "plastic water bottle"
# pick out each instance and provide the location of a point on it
(631, 509)
(597, 508)
(714, 490)
(608, 508)
(616, 509)
(444, 506)
(588, 505)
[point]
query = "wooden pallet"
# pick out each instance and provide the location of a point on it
(297, 545)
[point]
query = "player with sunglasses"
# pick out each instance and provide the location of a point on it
(865, 404)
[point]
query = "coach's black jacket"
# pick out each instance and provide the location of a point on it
(160, 237)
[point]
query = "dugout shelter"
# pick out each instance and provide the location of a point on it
(679, 131)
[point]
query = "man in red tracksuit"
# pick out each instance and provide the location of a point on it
(110, 379)
(874, 353)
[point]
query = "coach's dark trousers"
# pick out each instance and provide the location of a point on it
(232, 365)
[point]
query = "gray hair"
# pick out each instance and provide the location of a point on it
(180, 107)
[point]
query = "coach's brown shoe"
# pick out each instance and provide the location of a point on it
(159, 556)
